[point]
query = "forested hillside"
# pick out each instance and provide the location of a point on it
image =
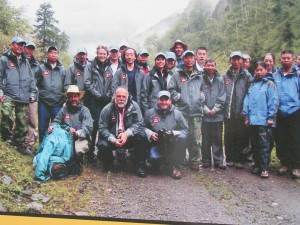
(253, 26)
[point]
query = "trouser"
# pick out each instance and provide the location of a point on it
(236, 138)
(261, 139)
(138, 142)
(212, 142)
(32, 124)
(14, 112)
(46, 114)
(287, 138)
(173, 151)
(194, 139)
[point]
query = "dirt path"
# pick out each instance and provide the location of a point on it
(209, 196)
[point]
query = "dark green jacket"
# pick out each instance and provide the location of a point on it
(16, 78)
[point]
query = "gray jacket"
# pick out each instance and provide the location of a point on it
(121, 79)
(215, 96)
(16, 78)
(236, 89)
(50, 82)
(172, 119)
(109, 120)
(186, 94)
(78, 117)
(74, 74)
(97, 83)
(152, 85)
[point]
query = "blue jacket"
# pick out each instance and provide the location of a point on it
(56, 147)
(289, 91)
(261, 102)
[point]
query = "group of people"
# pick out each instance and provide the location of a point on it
(171, 114)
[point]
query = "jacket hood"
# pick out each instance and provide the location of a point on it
(47, 64)
(11, 56)
(73, 108)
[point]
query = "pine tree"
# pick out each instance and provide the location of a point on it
(47, 31)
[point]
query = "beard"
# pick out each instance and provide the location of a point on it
(121, 104)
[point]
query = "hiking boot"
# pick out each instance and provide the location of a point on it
(230, 164)
(25, 150)
(296, 173)
(206, 165)
(255, 170)
(221, 166)
(239, 166)
(58, 171)
(140, 172)
(264, 174)
(283, 170)
(195, 167)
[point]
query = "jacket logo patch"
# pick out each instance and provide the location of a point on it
(67, 117)
(107, 75)
(113, 118)
(78, 73)
(123, 76)
(46, 73)
(227, 81)
(155, 120)
(183, 80)
(11, 65)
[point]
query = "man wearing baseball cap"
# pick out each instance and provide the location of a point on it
(114, 59)
(32, 134)
(166, 130)
(17, 89)
(142, 61)
(186, 95)
(74, 73)
(237, 81)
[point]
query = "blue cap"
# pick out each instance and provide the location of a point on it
(160, 54)
(236, 53)
(17, 40)
(81, 50)
(30, 43)
(114, 47)
(188, 52)
(164, 93)
(170, 55)
(143, 52)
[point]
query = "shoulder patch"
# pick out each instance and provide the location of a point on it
(107, 75)
(227, 81)
(183, 80)
(67, 117)
(46, 73)
(11, 65)
(113, 118)
(123, 76)
(155, 120)
(78, 73)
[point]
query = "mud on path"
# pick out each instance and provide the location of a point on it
(233, 196)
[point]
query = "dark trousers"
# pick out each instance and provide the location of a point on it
(212, 140)
(287, 138)
(173, 151)
(138, 142)
(46, 114)
(236, 138)
(261, 140)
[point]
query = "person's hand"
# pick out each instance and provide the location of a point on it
(270, 123)
(50, 129)
(2, 98)
(247, 123)
(123, 138)
(72, 130)
(118, 143)
(212, 113)
(154, 136)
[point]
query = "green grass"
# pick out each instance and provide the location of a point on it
(67, 196)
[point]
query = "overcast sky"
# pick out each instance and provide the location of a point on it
(91, 22)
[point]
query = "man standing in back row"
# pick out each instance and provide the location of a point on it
(17, 89)
(186, 95)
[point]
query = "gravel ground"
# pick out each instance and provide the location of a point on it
(233, 196)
